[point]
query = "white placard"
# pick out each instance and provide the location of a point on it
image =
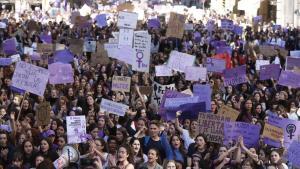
(178, 61)
(295, 53)
(261, 63)
(195, 73)
(113, 107)
(125, 37)
(163, 70)
(127, 20)
(112, 50)
(76, 129)
(28, 50)
(141, 45)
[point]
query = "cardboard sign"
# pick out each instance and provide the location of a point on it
(227, 24)
(215, 65)
(204, 94)
(127, 20)
(125, 7)
(295, 53)
(228, 112)
(176, 25)
(176, 102)
(267, 51)
(43, 113)
(113, 107)
(5, 61)
(146, 90)
(30, 78)
(292, 64)
(212, 126)
(100, 57)
(121, 83)
(76, 46)
(76, 129)
(44, 48)
(272, 132)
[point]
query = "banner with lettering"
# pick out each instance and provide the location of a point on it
(109, 106)
(121, 83)
(235, 76)
(158, 92)
(141, 45)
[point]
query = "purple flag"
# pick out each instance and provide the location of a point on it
(10, 46)
(269, 71)
(204, 94)
(46, 38)
(63, 56)
(291, 130)
(169, 94)
(60, 73)
(101, 20)
(235, 76)
(153, 23)
(250, 133)
(287, 78)
(189, 111)
(292, 63)
(215, 65)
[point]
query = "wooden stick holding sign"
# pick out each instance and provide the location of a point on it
(24, 97)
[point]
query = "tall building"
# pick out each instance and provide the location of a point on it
(288, 12)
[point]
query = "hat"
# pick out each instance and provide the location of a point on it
(49, 133)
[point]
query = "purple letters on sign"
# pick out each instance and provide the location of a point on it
(269, 71)
(250, 133)
(235, 76)
(289, 79)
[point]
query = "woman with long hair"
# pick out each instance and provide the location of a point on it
(124, 158)
(153, 160)
(46, 149)
(138, 156)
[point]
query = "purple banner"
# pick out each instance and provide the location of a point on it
(269, 72)
(224, 49)
(291, 130)
(153, 23)
(292, 63)
(46, 38)
(235, 76)
(204, 94)
(238, 30)
(287, 78)
(60, 73)
(10, 46)
(5, 61)
(63, 56)
(250, 133)
(293, 154)
(189, 111)
(218, 43)
(168, 94)
(227, 24)
(215, 65)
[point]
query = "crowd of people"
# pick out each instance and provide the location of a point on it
(141, 138)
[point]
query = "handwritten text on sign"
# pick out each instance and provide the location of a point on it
(141, 44)
(235, 76)
(121, 83)
(113, 107)
(76, 129)
(30, 78)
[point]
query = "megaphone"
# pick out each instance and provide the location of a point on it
(69, 155)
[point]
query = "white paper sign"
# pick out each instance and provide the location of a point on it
(188, 26)
(28, 50)
(125, 37)
(15, 58)
(30, 78)
(158, 92)
(195, 73)
(176, 102)
(113, 107)
(127, 20)
(142, 44)
(76, 129)
(261, 63)
(295, 53)
(178, 61)
(163, 70)
(89, 46)
(112, 50)
(126, 54)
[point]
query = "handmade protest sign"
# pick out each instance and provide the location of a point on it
(146, 90)
(288, 78)
(121, 83)
(28, 50)
(101, 20)
(163, 70)
(10, 46)
(195, 73)
(269, 72)
(76, 46)
(111, 49)
(176, 102)
(292, 64)
(127, 20)
(293, 154)
(204, 94)
(59, 46)
(43, 113)
(30, 78)
(60, 73)
(223, 49)
(267, 51)
(227, 24)
(76, 129)
(215, 65)
(250, 133)
(141, 45)
(188, 26)
(178, 61)
(295, 53)
(176, 25)
(260, 63)
(100, 57)
(15, 58)
(158, 92)
(125, 37)
(228, 112)
(291, 130)
(44, 48)
(63, 56)
(272, 132)
(235, 76)
(5, 61)
(126, 54)
(89, 46)
(125, 6)
(212, 126)
(113, 107)
(188, 111)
